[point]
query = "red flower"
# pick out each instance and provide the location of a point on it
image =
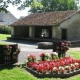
(78, 61)
(31, 57)
(34, 66)
(40, 68)
(46, 66)
(42, 54)
(30, 64)
(72, 66)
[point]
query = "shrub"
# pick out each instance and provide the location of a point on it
(5, 30)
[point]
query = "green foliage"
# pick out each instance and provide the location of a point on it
(5, 30)
(20, 3)
(55, 5)
(40, 5)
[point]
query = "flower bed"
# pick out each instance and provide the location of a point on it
(50, 65)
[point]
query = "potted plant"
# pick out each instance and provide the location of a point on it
(15, 54)
(8, 49)
(64, 47)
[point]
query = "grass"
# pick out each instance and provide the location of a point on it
(15, 73)
(75, 54)
(4, 36)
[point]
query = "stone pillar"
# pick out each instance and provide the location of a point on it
(12, 31)
(47, 33)
(53, 32)
(31, 32)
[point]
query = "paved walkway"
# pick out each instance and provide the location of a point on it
(28, 49)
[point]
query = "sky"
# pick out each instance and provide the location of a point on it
(18, 13)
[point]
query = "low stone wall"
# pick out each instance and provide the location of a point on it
(45, 45)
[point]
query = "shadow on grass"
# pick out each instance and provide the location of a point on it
(2, 67)
(11, 66)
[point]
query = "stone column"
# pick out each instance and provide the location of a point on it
(31, 32)
(12, 31)
(47, 33)
(53, 32)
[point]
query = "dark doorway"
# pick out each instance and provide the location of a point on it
(41, 30)
(64, 34)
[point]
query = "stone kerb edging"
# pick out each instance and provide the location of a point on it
(55, 75)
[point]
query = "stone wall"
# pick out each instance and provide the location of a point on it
(73, 28)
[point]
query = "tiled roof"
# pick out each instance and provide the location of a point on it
(44, 19)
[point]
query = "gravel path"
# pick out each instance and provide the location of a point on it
(28, 49)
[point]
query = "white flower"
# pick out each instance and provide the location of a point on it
(55, 53)
(55, 69)
(72, 64)
(67, 67)
(61, 68)
(47, 54)
(76, 64)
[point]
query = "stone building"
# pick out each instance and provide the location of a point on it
(62, 25)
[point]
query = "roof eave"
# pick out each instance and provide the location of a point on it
(34, 25)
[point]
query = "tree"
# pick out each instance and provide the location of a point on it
(40, 5)
(55, 5)
(22, 4)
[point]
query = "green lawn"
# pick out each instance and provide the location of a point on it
(75, 54)
(4, 36)
(15, 73)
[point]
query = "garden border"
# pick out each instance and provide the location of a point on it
(42, 75)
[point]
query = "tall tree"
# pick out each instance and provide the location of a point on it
(55, 5)
(22, 4)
